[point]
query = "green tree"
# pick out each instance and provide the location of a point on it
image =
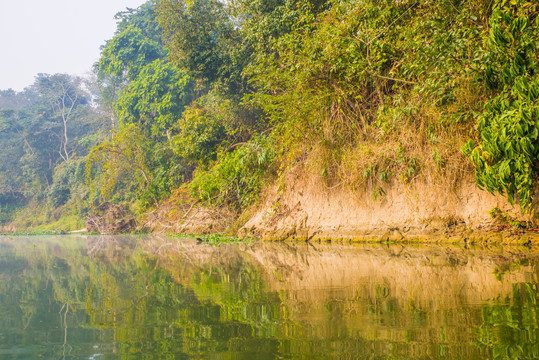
(143, 18)
(64, 94)
(127, 53)
(202, 38)
(201, 133)
(236, 178)
(155, 99)
(136, 43)
(49, 124)
(120, 163)
(506, 155)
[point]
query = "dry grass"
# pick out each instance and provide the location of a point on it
(412, 138)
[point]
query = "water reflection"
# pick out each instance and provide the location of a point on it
(146, 297)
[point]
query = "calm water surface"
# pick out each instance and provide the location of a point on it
(93, 297)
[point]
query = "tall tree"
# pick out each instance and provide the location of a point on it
(136, 43)
(63, 93)
(201, 37)
(156, 99)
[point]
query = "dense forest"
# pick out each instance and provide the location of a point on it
(206, 102)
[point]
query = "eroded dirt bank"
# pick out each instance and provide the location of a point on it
(304, 207)
(307, 209)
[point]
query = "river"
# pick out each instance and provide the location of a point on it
(148, 297)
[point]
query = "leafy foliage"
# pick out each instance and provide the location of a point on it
(200, 135)
(142, 18)
(506, 156)
(121, 163)
(216, 95)
(127, 53)
(137, 43)
(210, 124)
(148, 96)
(68, 182)
(41, 132)
(236, 179)
(197, 34)
(155, 99)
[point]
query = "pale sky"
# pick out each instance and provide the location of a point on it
(53, 36)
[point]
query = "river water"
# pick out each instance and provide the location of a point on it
(123, 297)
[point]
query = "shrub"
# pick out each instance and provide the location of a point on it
(506, 154)
(236, 179)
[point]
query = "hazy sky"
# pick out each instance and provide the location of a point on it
(53, 36)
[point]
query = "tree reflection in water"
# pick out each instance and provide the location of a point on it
(510, 328)
(145, 297)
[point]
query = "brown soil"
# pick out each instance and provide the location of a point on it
(304, 207)
(417, 211)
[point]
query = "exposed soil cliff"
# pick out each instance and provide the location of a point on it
(305, 208)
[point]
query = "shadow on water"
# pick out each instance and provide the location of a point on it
(124, 297)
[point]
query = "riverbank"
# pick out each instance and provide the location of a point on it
(422, 210)
(302, 206)
(419, 211)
